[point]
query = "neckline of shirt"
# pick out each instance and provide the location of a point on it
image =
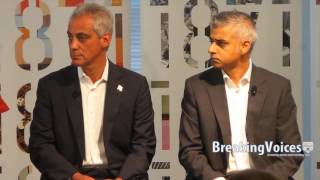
(86, 79)
(243, 81)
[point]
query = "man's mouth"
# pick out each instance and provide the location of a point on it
(215, 59)
(75, 56)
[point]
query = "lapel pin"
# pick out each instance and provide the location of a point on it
(120, 88)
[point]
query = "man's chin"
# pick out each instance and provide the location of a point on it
(76, 62)
(216, 64)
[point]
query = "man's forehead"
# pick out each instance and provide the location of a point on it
(81, 27)
(217, 34)
(222, 32)
(79, 30)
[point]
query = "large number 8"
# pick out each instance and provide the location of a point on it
(194, 30)
(26, 33)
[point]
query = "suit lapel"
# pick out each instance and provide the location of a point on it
(255, 103)
(217, 94)
(218, 99)
(112, 101)
(74, 105)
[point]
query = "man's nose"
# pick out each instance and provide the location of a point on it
(73, 44)
(212, 48)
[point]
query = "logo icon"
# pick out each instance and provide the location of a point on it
(120, 88)
(307, 147)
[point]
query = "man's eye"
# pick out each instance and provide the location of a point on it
(221, 44)
(83, 37)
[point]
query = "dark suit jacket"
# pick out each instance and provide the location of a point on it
(271, 116)
(57, 146)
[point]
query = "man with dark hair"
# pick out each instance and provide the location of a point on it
(92, 119)
(236, 103)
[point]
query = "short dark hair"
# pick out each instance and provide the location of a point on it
(245, 25)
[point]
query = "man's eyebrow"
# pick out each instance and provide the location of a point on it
(77, 34)
(81, 33)
(218, 40)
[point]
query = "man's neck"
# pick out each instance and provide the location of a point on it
(95, 72)
(237, 72)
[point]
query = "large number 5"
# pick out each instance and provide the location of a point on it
(21, 102)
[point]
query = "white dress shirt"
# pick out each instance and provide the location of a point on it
(237, 98)
(93, 96)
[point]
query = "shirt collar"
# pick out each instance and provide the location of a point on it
(244, 80)
(82, 74)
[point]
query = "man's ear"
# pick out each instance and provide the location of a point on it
(246, 47)
(106, 40)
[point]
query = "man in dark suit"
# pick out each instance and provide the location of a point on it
(92, 119)
(237, 104)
